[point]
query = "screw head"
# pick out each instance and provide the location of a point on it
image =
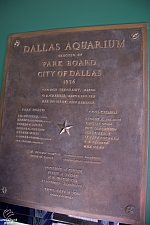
(16, 43)
(134, 35)
(130, 209)
(3, 190)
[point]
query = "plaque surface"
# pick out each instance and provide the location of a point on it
(74, 122)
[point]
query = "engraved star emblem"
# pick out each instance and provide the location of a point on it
(64, 127)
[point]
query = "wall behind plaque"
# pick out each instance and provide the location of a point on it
(32, 15)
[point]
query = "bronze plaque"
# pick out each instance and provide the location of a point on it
(74, 122)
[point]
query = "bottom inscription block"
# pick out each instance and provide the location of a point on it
(74, 122)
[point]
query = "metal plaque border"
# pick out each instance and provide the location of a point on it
(143, 27)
